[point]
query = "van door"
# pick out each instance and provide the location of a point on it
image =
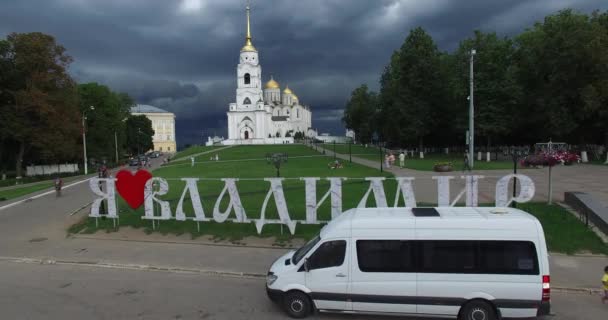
(328, 275)
(383, 276)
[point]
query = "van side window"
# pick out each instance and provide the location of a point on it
(329, 254)
(509, 257)
(448, 256)
(385, 256)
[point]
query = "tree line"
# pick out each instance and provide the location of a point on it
(549, 82)
(43, 111)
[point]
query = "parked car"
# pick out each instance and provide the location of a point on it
(465, 263)
(134, 162)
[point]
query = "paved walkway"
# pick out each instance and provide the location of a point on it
(582, 177)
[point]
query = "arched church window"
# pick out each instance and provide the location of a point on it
(247, 78)
(297, 113)
(247, 101)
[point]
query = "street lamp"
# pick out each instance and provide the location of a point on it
(84, 140)
(471, 111)
(138, 144)
(276, 159)
(516, 153)
(376, 139)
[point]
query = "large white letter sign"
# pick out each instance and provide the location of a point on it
(149, 199)
(335, 190)
(504, 197)
(276, 189)
(404, 187)
(109, 195)
(443, 190)
(235, 203)
(197, 206)
(472, 189)
(375, 186)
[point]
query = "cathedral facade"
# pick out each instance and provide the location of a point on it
(263, 115)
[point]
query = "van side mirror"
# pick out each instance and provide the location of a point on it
(306, 264)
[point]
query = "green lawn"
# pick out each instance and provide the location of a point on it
(258, 153)
(564, 232)
(457, 161)
(194, 150)
(598, 162)
(236, 162)
(355, 149)
(18, 192)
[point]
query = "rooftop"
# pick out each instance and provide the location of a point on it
(144, 108)
(461, 218)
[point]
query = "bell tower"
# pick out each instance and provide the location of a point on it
(249, 74)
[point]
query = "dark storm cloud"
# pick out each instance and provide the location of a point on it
(181, 55)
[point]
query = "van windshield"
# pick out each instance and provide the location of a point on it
(300, 253)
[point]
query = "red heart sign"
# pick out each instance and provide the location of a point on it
(131, 187)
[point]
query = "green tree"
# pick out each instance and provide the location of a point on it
(497, 93)
(412, 92)
(41, 95)
(560, 67)
(595, 93)
(359, 110)
(139, 134)
(111, 109)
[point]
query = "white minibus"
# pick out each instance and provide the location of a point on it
(469, 263)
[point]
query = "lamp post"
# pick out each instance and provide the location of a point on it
(376, 139)
(471, 111)
(116, 146)
(84, 140)
(334, 149)
(350, 154)
(276, 159)
(516, 153)
(138, 144)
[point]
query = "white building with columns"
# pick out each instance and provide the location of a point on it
(263, 115)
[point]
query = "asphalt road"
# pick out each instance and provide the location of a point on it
(34, 291)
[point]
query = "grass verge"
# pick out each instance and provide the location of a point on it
(564, 233)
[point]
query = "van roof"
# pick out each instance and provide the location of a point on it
(446, 218)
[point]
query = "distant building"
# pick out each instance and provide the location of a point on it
(263, 115)
(163, 123)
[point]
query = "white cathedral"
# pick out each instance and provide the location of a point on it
(263, 116)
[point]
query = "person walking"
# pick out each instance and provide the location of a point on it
(387, 162)
(58, 186)
(466, 166)
(402, 159)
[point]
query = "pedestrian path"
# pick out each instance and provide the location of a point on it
(200, 154)
(581, 177)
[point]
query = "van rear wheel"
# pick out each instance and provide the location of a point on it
(477, 310)
(297, 304)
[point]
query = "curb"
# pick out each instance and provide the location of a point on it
(139, 267)
(200, 243)
(207, 272)
(590, 291)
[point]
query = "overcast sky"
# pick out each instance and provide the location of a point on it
(181, 55)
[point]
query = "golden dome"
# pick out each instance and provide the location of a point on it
(248, 47)
(293, 95)
(287, 90)
(272, 84)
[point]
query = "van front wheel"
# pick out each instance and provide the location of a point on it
(297, 304)
(477, 310)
